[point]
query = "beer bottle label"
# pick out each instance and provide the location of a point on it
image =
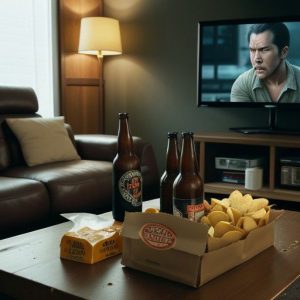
(130, 187)
(192, 209)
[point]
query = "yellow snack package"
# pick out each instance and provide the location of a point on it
(91, 239)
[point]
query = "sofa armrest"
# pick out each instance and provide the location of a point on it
(104, 147)
(96, 146)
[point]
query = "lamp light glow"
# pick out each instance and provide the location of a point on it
(100, 36)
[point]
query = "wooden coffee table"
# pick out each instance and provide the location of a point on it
(30, 268)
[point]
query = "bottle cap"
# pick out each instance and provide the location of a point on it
(189, 133)
(123, 115)
(172, 134)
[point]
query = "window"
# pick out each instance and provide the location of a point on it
(26, 51)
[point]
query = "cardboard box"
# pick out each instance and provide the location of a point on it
(89, 245)
(174, 248)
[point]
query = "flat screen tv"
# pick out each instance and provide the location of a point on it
(234, 65)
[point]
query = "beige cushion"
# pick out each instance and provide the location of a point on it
(43, 140)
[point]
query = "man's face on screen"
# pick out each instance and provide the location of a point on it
(264, 55)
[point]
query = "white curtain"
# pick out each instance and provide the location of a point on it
(26, 57)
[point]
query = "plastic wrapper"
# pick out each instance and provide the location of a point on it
(91, 239)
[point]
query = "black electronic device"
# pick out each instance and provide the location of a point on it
(223, 54)
(237, 163)
(290, 171)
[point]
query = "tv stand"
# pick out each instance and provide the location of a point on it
(266, 130)
(272, 126)
(272, 148)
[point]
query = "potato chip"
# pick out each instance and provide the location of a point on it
(234, 194)
(247, 223)
(216, 216)
(267, 216)
(248, 199)
(233, 214)
(152, 210)
(265, 220)
(205, 220)
(217, 207)
(259, 214)
(211, 231)
(239, 224)
(222, 227)
(224, 203)
(240, 205)
(257, 204)
(233, 236)
(215, 243)
(238, 201)
(261, 222)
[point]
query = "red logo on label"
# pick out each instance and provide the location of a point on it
(195, 212)
(157, 236)
(195, 207)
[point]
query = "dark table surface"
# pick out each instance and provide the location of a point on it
(30, 268)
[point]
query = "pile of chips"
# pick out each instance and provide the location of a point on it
(232, 218)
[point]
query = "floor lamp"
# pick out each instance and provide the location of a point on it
(100, 36)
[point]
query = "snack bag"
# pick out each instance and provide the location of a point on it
(91, 239)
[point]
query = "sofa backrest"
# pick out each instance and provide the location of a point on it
(15, 102)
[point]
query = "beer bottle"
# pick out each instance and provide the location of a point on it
(127, 177)
(188, 185)
(171, 172)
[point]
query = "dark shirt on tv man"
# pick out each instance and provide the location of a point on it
(272, 78)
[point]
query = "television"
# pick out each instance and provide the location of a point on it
(224, 54)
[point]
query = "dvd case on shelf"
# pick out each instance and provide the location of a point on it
(237, 177)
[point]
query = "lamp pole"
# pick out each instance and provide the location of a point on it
(101, 90)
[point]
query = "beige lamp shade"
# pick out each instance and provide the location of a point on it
(100, 36)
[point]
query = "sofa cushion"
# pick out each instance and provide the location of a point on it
(4, 152)
(18, 100)
(23, 202)
(43, 140)
(81, 185)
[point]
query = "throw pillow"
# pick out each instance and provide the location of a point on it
(43, 140)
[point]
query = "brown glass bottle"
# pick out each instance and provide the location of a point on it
(171, 172)
(127, 177)
(188, 185)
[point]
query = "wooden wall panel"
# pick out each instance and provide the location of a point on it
(80, 86)
(82, 103)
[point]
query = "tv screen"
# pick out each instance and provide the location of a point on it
(253, 62)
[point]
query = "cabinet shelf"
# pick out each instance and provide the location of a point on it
(277, 194)
(230, 144)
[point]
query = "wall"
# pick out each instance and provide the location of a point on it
(155, 78)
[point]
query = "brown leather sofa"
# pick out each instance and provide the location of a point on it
(34, 197)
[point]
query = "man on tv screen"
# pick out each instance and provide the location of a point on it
(272, 78)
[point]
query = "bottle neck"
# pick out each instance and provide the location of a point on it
(188, 163)
(125, 143)
(172, 165)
